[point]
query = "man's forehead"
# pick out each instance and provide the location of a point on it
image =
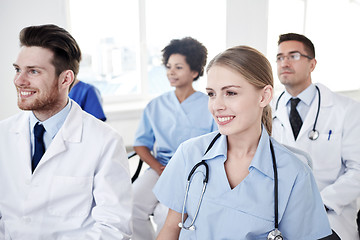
(34, 56)
(290, 46)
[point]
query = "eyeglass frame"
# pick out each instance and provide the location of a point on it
(278, 60)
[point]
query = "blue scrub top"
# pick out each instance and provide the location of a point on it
(247, 211)
(89, 99)
(168, 122)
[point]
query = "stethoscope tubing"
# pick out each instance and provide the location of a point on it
(273, 233)
(206, 178)
(313, 134)
(276, 188)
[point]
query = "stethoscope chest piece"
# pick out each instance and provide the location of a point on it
(275, 235)
(313, 135)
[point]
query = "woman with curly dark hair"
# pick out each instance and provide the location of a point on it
(167, 121)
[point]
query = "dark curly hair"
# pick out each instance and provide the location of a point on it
(194, 51)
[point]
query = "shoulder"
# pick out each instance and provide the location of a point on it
(160, 101)
(289, 162)
(84, 85)
(336, 98)
(91, 124)
(13, 118)
(201, 97)
(198, 144)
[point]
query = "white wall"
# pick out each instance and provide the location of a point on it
(247, 23)
(15, 15)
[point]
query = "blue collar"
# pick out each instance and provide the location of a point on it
(54, 123)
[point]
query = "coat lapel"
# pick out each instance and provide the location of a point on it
(71, 131)
(283, 117)
(22, 131)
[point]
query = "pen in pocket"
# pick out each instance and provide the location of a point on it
(329, 134)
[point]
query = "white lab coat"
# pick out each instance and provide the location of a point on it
(336, 160)
(80, 190)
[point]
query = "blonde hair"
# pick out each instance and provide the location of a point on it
(254, 67)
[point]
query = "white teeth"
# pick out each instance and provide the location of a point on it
(25, 93)
(224, 119)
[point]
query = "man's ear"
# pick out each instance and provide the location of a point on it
(66, 78)
(266, 95)
(313, 64)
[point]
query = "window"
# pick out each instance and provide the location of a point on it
(109, 41)
(122, 43)
(334, 33)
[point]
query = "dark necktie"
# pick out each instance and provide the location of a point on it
(39, 145)
(295, 119)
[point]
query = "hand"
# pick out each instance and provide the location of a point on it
(160, 169)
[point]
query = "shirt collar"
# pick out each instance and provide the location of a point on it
(54, 123)
(306, 96)
(218, 149)
(262, 159)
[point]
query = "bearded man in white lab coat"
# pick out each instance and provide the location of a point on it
(334, 146)
(79, 186)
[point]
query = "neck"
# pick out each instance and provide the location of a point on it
(245, 143)
(183, 93)
(296, 90)
(44, 114)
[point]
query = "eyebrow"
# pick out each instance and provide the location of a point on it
(28, 67)
(226, 87)
(288, 53)
(175, 64)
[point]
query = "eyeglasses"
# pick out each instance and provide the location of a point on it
(292, 57)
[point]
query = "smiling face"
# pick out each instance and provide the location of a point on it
(178, 71)
(235, 104)
(38, 87)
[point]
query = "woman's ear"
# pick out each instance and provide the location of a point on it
(266, 95)
(194, 74)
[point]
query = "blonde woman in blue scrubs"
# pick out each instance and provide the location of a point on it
(238, 202)
(167, 121)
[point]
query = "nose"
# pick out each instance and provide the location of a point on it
(20, 79)
(170, 71)
(217, 103)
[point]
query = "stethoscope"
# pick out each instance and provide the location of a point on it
(273, 235)
(313, 134)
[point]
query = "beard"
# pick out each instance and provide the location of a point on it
(45, 102)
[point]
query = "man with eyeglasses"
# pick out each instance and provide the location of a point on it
(324, 124)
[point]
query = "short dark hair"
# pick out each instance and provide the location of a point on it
(67, 54)
(308, 45)
(195, 53)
